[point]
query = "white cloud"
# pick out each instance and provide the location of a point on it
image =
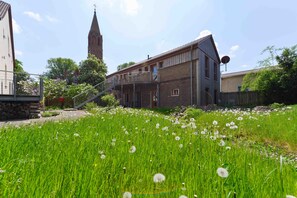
(16, 28)
(203, 34)
(18, 53)
(51, 19)
(131, 7)
(33, 15)
(233, 50)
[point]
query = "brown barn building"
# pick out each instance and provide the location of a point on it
(187, 75)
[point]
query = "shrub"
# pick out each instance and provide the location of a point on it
(109, 100)
(277, 105)
(193, 112)
(90, 105)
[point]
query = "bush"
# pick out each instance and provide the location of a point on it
(109, 100)
(277, 105)
(193, 113)
(91, 105)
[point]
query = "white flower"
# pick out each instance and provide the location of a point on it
(127, 195)
(227, 124)
(203, 132)
(228, 148)
(165, 128)
(222, 172)
(215, 122)
(222, 143)
(195, 133)
(192, 120)
(290, 196)
(103, 156)
(76, 134)
(232, 123)
(181, 146)
(132, 149)
(159, 177)
(2, 171)
(177, 138)
(184, 126)
(174, 134)
(239, 118)
(114, 140)
(157, 125)
(112, 143)
(183, 196)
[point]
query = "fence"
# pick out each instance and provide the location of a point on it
(250, 98)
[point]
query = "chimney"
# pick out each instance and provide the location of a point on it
(148, 57)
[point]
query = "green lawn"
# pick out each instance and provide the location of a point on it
(110, 153)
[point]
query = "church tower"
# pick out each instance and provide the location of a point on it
(95, 39)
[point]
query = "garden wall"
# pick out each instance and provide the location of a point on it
(19, 110)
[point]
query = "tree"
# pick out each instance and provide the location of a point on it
(92, 70)
(278, 83)
(61, 68)
(124, 65)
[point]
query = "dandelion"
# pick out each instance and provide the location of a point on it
(76, 134)
(215, 122)
(177, 138)
(239, 118)
(227, 124)
(165, 128)
(192, 120)
(114, 140)
(290, 196)
(184, 126)
(222, 172)
(203, 132)
(222, 143)
(157, 125)
(195, 133)
(228, 148)
(2, 171)
(127, 195)
(183, 196)
(159, 177)
(212, 138)
(232, 123)
(181, 146)
(132, 149)
(112, 143)
(103, 156)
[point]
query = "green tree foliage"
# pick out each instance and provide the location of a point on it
(59, 88)
(110, 101)
(277, 83)
(61, 68)
(92, 71)
(124, 65)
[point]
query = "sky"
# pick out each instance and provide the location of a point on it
(133, 29)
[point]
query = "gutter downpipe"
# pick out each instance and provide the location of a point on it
(191, 71)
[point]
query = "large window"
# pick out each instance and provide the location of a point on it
(206, 67)
(215, 71)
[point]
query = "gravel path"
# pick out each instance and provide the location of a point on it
(63, 116)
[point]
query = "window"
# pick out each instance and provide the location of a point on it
(146, 69)
(215, 100)
(206, 67)
(175, 92)
(206, 96)
(215, 71)
(160, 64)
(140, 70)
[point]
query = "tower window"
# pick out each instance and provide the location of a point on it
(206, 67)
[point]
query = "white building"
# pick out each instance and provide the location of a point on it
(6, 50)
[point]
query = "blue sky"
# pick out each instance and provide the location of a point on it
(133, 29)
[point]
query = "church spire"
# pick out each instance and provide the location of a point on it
(95, 38)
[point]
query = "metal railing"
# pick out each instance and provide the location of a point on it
(20, 84)
(89, 95)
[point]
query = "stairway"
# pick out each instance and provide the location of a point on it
(88, 96)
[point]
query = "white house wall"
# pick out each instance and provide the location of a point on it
(6, 56)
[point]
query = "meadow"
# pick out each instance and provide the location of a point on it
(141, 153)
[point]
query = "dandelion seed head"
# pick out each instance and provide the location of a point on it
(127, 195)
(222, 172)
(181, 146)
(2, 171)
(290, 196)
(177, 138)
(183, 196)
(76, 134)
(132, 149)
(103, 156)
(215, 122)
(157, 125)
(222, 143)
(159, 177)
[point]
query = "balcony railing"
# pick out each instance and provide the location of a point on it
(14, 86)
(136, 77)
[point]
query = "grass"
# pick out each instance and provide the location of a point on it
(49, 114)
(90, 157)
